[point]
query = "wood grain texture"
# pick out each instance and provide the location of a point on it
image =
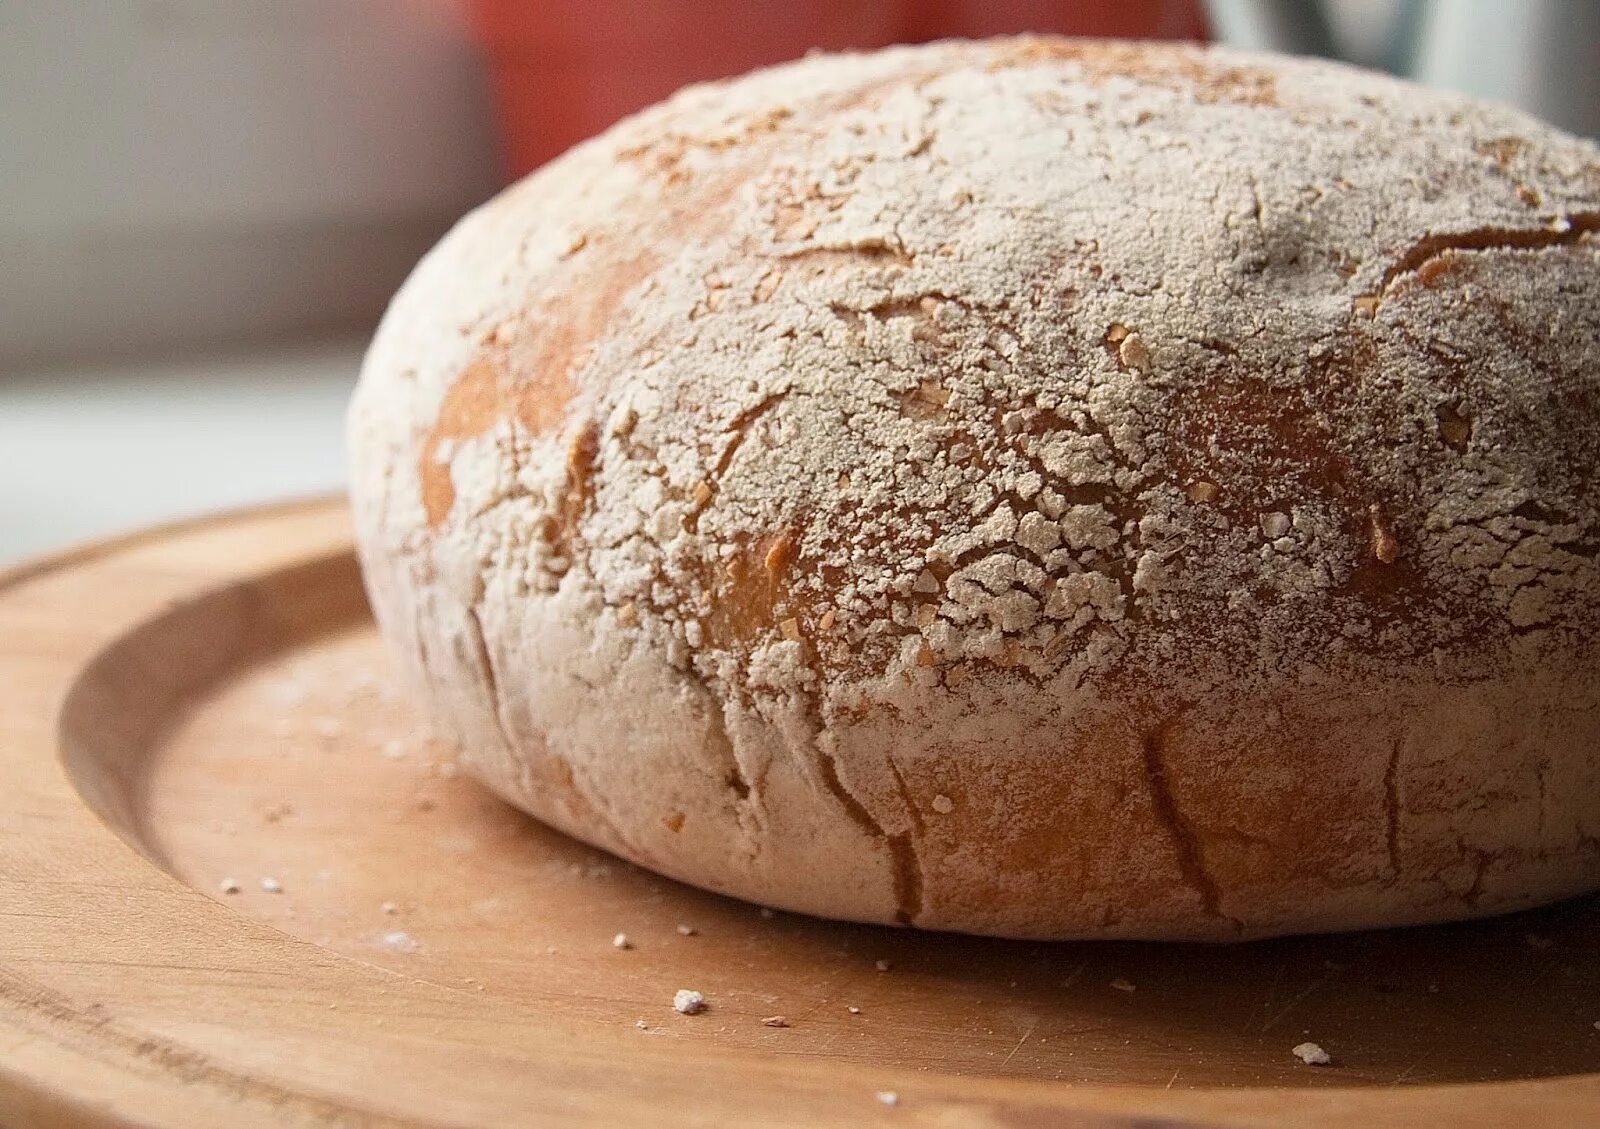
(207, 702)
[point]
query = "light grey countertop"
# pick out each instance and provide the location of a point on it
(92, 451)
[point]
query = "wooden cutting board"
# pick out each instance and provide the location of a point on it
(205, 707)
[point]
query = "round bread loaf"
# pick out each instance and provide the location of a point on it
(1034, 487)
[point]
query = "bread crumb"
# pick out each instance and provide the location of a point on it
(926, 583)
(641, 1025)
(791, 629)
(779, 556)
(685, 1001)
(272, 885)
(827, 619)
(702, 492)
(1384, 545)
(1202, 490)
(230, 886)
(943, 804)
(1134, 353)
(388, 907)
(888, 1097)
(623, 421)
(767, 913)
(1124, 985)
(628, 614)
(1274, 525)
(400, 942)
(882, 965)
(853, 1010)
(775, 1021)
(687, 930)
(1455, 429)
(1312, 1055)
(620, 941)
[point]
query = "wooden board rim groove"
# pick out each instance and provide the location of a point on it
(49, 1038)
(87, 551)
(28, 1004)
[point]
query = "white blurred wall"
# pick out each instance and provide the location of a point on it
(1542, 56)
(177, 173)
(187, 172)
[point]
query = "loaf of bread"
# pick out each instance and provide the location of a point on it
(1035, 487)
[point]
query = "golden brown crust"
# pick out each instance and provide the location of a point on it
(1031, 487)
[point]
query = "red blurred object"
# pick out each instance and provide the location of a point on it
(565, 69)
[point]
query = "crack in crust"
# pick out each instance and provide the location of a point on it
(907, 878)
(1429, 257)
(902, 852)
(740, 425)
(746, 797)
(491, 681)
(584, 806)
(1185, 842)
(561, 527)
(907, 856)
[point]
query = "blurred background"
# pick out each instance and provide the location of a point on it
(204, 204)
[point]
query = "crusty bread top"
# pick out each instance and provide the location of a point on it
(1030, 360)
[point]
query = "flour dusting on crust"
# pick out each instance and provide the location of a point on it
(1005, 486)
